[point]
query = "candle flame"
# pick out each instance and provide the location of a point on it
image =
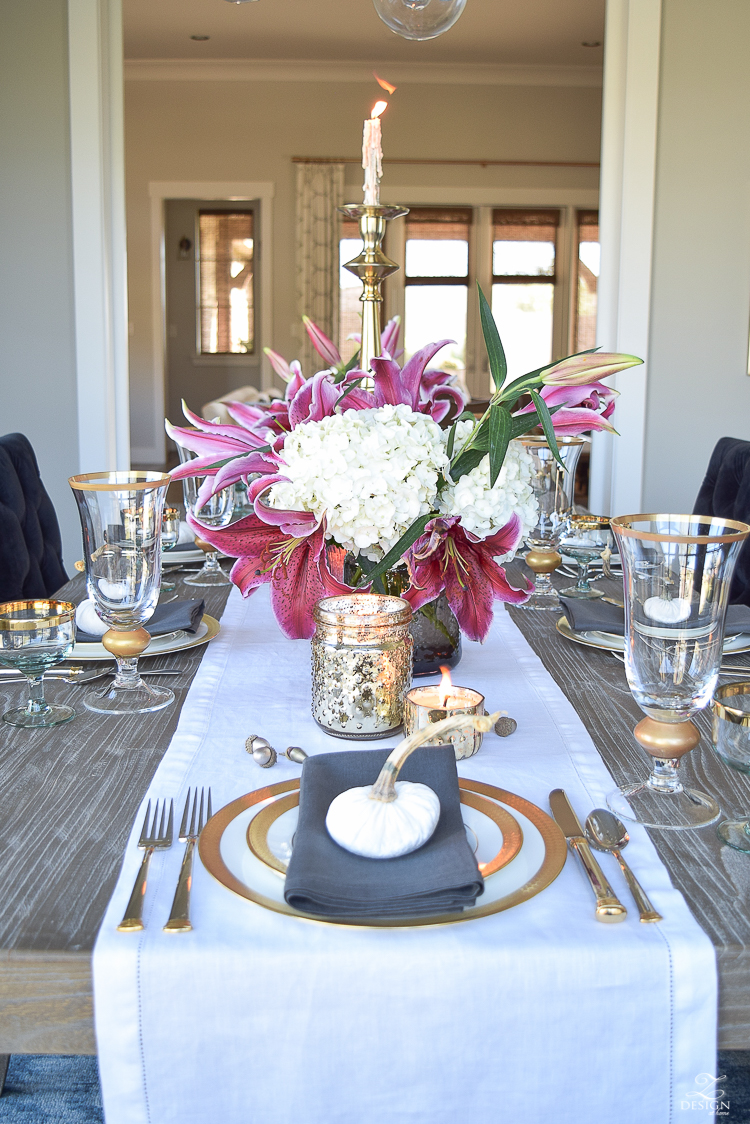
(378, 108)
(389, 89)
(445, 688)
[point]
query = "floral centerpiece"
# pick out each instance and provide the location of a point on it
(389, 467)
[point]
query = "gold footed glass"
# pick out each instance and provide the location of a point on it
(170, 535)
(34, 636)
(217, 511)
(553, 486)
(678, 571)
(121, 518)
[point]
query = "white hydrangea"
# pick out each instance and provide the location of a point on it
(484, 510)
(371, 473)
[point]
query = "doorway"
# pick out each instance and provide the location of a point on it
(212, 301)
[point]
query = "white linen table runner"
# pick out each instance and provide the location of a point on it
(538, 1014)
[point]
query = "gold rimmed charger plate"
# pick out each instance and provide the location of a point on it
(553, 845)
(171, 642)
(510, 830)
(611, 642)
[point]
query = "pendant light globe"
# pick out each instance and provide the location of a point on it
(419, 19)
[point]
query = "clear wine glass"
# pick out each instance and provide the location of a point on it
(216, 512)
(34, 636)
(677, 570)
(170, 535)
(730, 709)
(121, 517)
(584, 538)
(553, 488)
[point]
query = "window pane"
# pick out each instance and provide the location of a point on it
(437, 312)
(523, 314)
(350, 290)
(225, 297)
(588, 277)
(517, 258)
(437, 258)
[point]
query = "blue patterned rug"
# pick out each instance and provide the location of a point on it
(49, 1089)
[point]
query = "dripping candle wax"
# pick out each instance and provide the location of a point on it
(372, 154)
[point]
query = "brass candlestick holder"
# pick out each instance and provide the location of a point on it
(372, 267)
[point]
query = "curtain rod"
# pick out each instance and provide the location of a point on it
(475, 163)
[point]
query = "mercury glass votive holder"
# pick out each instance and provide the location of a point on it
(424, 705)
(361, 664)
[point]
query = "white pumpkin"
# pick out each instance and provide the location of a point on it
(391, 817)
(384, 830)
(667, 610)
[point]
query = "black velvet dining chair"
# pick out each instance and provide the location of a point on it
(725, 492)
(31, 563)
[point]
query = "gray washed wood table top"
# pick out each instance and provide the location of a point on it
(68, 797)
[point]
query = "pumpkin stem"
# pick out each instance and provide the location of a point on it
(384, 788)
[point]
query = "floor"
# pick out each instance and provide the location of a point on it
(43, 1089)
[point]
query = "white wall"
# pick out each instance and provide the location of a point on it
(243, 130)
(37, 337)
(698, 387)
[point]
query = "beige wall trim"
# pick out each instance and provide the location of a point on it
(159, 192)
(303, 70)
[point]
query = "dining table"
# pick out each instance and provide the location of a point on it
(69, 796)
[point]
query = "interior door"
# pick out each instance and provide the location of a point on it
(211, 271)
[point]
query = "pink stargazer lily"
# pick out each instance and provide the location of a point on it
(325, 347)
(295, 567)
(587, 368)
(447, 558)
(582, 408)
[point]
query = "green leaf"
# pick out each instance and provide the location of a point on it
(500, 428)
(495, 353)
(352, 386)
(451, 439)
(396, 553)
(352, 362)
(546, 421)
(469, 459)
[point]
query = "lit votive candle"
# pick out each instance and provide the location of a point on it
(423, 705)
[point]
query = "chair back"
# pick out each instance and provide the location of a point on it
(725, 492)
(31, 563)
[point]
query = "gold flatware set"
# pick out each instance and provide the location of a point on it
(605, 832)
(156, 835)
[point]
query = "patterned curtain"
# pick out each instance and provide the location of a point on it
(320, 190)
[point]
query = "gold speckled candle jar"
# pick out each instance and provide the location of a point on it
(361, 664)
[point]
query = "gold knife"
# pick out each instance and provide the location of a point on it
(608, 908)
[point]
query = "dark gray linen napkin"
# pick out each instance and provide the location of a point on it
(601, 616)
(186, 615)
(178, 549)
(323, 878)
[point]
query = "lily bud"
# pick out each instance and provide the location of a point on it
(325, 348)
(587, 368)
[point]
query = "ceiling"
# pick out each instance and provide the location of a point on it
(530, 32)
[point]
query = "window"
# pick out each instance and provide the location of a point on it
(226, 304)
(538, 267)
(523, 284)
(587, 279)
(436, 281)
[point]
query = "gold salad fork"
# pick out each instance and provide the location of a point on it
(150, 840)
(179, 918)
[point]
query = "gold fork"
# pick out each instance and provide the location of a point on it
(150, 841)
(179, 918)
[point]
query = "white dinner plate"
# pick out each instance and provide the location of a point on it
(611, 642)
(225, 853)
(159, 646)
(177, 557)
